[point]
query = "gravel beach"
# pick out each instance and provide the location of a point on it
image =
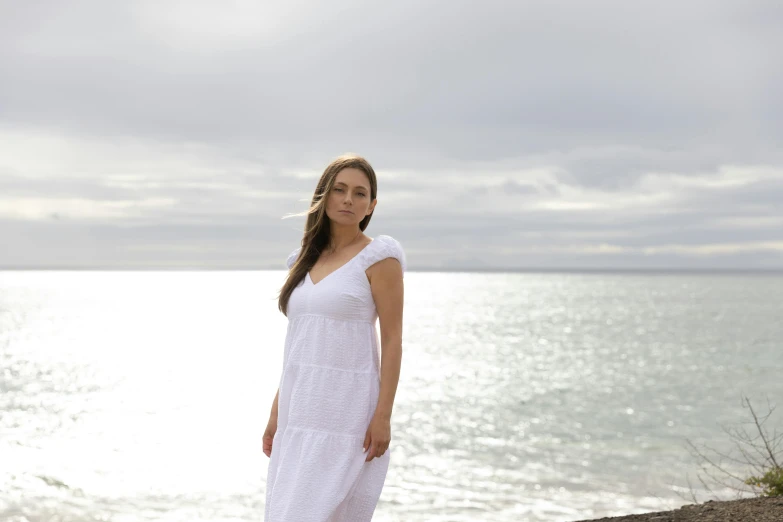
(762, 509)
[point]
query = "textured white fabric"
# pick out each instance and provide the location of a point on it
(328, 393)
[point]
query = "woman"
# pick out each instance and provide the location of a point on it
(330, 425)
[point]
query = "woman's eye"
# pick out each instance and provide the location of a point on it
(361, 194)
(338, 189)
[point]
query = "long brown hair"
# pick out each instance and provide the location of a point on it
(317, 229)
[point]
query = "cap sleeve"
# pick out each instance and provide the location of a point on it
(292, 257)
(381, 248)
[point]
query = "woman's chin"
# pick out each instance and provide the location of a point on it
(344, 218)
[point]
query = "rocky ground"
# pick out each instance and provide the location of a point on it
(763, 509)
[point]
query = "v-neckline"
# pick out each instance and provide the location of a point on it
(339, 267)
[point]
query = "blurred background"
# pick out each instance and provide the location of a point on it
(588, 194)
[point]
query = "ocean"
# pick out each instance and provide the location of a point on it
(140, 396)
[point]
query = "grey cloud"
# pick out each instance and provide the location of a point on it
(63, 186)
(514, 187)
(450, 92)
(488, 81)
(762, 198)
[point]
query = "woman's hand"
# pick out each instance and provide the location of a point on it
(269, 434)
(378, 437)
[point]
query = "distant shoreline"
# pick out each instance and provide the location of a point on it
(454, 270)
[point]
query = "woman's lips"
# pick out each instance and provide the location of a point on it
(347, 211)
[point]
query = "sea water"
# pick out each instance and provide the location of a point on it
(134, 396)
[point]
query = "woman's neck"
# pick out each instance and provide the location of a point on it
(342, 238)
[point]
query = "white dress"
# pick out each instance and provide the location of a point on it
(328, 393)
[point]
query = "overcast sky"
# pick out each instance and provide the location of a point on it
(611, 134)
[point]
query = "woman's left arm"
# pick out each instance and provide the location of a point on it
(388, 293)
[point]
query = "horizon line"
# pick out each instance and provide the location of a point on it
(456, 269)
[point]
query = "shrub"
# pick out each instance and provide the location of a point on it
(758, 451)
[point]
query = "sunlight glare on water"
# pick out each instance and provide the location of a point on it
(545, 397)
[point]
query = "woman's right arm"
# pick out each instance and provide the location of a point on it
(274, 404)
(271, 427)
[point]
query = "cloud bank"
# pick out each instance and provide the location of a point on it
(505, 134)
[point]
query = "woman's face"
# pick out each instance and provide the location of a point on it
(349, 201)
